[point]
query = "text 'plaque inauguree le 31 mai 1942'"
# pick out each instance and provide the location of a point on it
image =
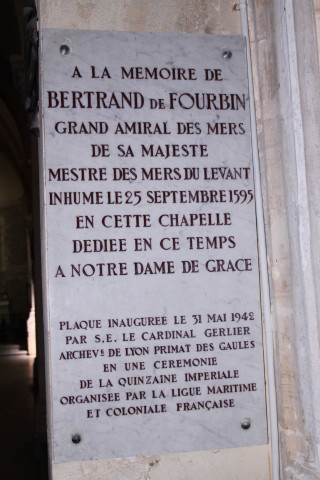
(151, 260)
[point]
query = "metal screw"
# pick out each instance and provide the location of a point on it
(226, 54)
(64, 50)
(246, 423)
(76, 438)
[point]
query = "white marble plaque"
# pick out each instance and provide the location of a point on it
(152, 273)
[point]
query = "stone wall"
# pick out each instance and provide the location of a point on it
(283, 40)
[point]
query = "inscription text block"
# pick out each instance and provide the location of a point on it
(152, 266)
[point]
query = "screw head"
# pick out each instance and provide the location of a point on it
(246, 423)
(64, 50)
(226, 54)
(76, 438)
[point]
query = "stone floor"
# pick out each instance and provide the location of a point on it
(17, 445)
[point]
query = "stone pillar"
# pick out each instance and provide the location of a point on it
(286, 74)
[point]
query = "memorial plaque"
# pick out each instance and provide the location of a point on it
(152, 271)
